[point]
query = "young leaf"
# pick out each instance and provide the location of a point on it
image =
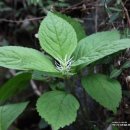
(104, 90)
(126, 65)
(8, 113)
(58, 108)
(14, 86)
(57, 37)
(22, 58)
(75, 24)
(96, 47)
(114, 16)
(115, 73)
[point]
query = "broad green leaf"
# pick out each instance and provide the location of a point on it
(115, 73)
(75, 24)
(58, 108)
(8, 114)
(14, 86)
(98, 46)
(94, 41)
(57, 37)
(22, 58)
(104, 90)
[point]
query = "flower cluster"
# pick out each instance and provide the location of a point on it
(64, 66)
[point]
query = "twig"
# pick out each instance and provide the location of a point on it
(12, 72)
(34, 87)
(73, 6)
(126, 13)
(96, 19)
(125, 2)
(20, 21)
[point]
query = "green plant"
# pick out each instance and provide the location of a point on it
(67, 57)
